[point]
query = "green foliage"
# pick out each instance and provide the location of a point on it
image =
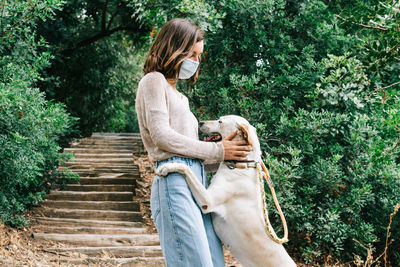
(156, 13)
(317, 78)
(98, 85)
(124, 78)
(375, 25)
(99, 49)
(348, 184)
(30, 126)
(98, 52)
(289, 68)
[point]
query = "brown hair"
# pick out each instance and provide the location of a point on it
(171, 47)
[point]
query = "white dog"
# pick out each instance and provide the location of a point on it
(234, 198)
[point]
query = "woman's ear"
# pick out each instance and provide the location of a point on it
(244, 128)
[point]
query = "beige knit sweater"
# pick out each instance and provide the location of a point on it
(167, 126)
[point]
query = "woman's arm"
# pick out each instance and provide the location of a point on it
(154, 105)
(164, 137)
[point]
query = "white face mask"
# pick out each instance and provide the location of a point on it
(188, 69)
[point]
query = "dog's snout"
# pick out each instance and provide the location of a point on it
(201, 123)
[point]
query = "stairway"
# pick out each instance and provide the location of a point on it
(100, 217)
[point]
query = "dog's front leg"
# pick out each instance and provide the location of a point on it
(200, 193)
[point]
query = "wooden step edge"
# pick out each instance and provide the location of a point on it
(63, 193)
(85, 221)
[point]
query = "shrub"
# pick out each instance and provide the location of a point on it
(339, 181)
(30, 126)
(329, 141)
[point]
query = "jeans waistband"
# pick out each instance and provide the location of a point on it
(187, 161)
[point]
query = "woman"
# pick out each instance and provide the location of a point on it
(170, 134)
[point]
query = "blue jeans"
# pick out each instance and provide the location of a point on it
(187, 235)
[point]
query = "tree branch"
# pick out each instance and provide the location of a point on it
(2, 15)
(378, 25)
(22, 20)
(104, 16)
(383, 90)
(111, 19)
(379, 59)
(395, 145)
(99, 36)
(391, 85)
(362, 25)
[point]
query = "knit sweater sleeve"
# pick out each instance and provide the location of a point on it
(161, 133)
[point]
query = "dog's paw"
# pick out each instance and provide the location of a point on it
(166, 168)
(162, 170)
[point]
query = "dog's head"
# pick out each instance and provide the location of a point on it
(219, 129)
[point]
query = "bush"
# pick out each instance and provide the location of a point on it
(329, 141)
(335, 167)
(30, 126)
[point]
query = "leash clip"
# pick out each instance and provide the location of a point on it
(230, 165)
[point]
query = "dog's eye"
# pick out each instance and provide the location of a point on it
(219, 121)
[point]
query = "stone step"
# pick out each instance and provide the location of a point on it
(124, 167)
(110, 139)
(105, 174)
(104, 167)
(100, 188)
(113, 138)
(102, 174)
(104, 149)
(88, 230)
(97, 161)
(93, 170)
(64, 260)
(103, 155)
(122, 251)
(103, 145)
(107, 180)
(120, 262)
(90, 196)
(106, 144)
(94, 205)
(101, 169)
(142, 262)
(106, 215)
(97, 150)
(101, 213)
(108, 134)
(101, 240)
(67, 222)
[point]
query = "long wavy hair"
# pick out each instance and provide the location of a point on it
(173, 44)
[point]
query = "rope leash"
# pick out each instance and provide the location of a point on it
(268, 227)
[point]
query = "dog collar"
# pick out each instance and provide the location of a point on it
(233, 164)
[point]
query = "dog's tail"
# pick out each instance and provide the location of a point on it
(200, 193)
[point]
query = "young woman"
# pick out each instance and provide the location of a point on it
(170, 134)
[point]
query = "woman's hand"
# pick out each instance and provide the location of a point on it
(235, 150)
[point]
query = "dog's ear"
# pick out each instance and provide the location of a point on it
(244, 128)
